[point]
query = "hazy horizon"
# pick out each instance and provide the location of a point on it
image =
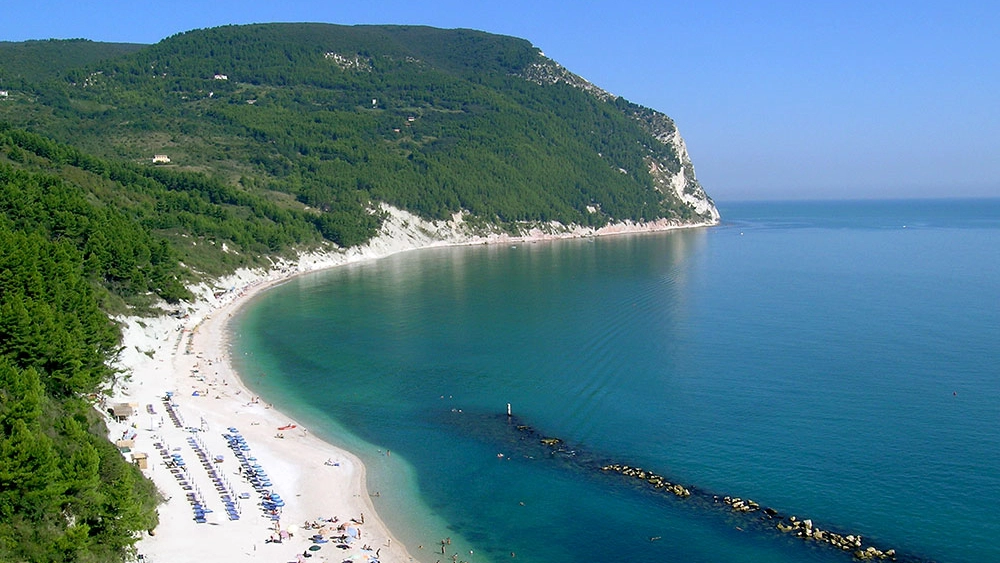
(777, 100)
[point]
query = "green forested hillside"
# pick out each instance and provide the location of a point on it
(288, 109)
(81, 237)
(280, 137)
(128, 217)
(29, 62)
(66, 493)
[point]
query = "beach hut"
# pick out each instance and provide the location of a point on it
(122, 411)
(140, 460)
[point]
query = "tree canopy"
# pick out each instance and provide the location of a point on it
(340, 118)
(66, 493)
(280, 137)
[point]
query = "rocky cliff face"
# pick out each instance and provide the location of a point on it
(674, 176)
(680, 181)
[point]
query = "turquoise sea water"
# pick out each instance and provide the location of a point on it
(832, 360)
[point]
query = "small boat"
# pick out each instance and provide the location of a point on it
(286, 427)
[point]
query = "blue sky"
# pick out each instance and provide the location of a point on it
(776, 100)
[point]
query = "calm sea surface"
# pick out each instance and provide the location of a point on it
(835, 361)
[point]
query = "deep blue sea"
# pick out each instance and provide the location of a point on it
(838, 361)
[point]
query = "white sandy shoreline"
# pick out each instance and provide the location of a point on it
(186, 355)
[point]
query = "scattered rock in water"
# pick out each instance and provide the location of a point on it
(741, 505)
(805, 529)
(657, 481)
(801, 528)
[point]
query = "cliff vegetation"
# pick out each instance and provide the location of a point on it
(129, 172)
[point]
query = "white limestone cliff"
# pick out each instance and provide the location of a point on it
(674, 175)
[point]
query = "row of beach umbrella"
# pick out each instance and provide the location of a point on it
(222, 486)
(175, 417)
(178, 468)
(271, 502)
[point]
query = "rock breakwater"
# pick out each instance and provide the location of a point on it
(804, 529)
(657, 481)
(744, 513)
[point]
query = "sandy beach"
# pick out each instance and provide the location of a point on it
(321, 489)
(244, 482)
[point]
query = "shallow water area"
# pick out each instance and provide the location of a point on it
(830, 360)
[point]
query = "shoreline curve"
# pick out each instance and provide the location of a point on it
(186, 355)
